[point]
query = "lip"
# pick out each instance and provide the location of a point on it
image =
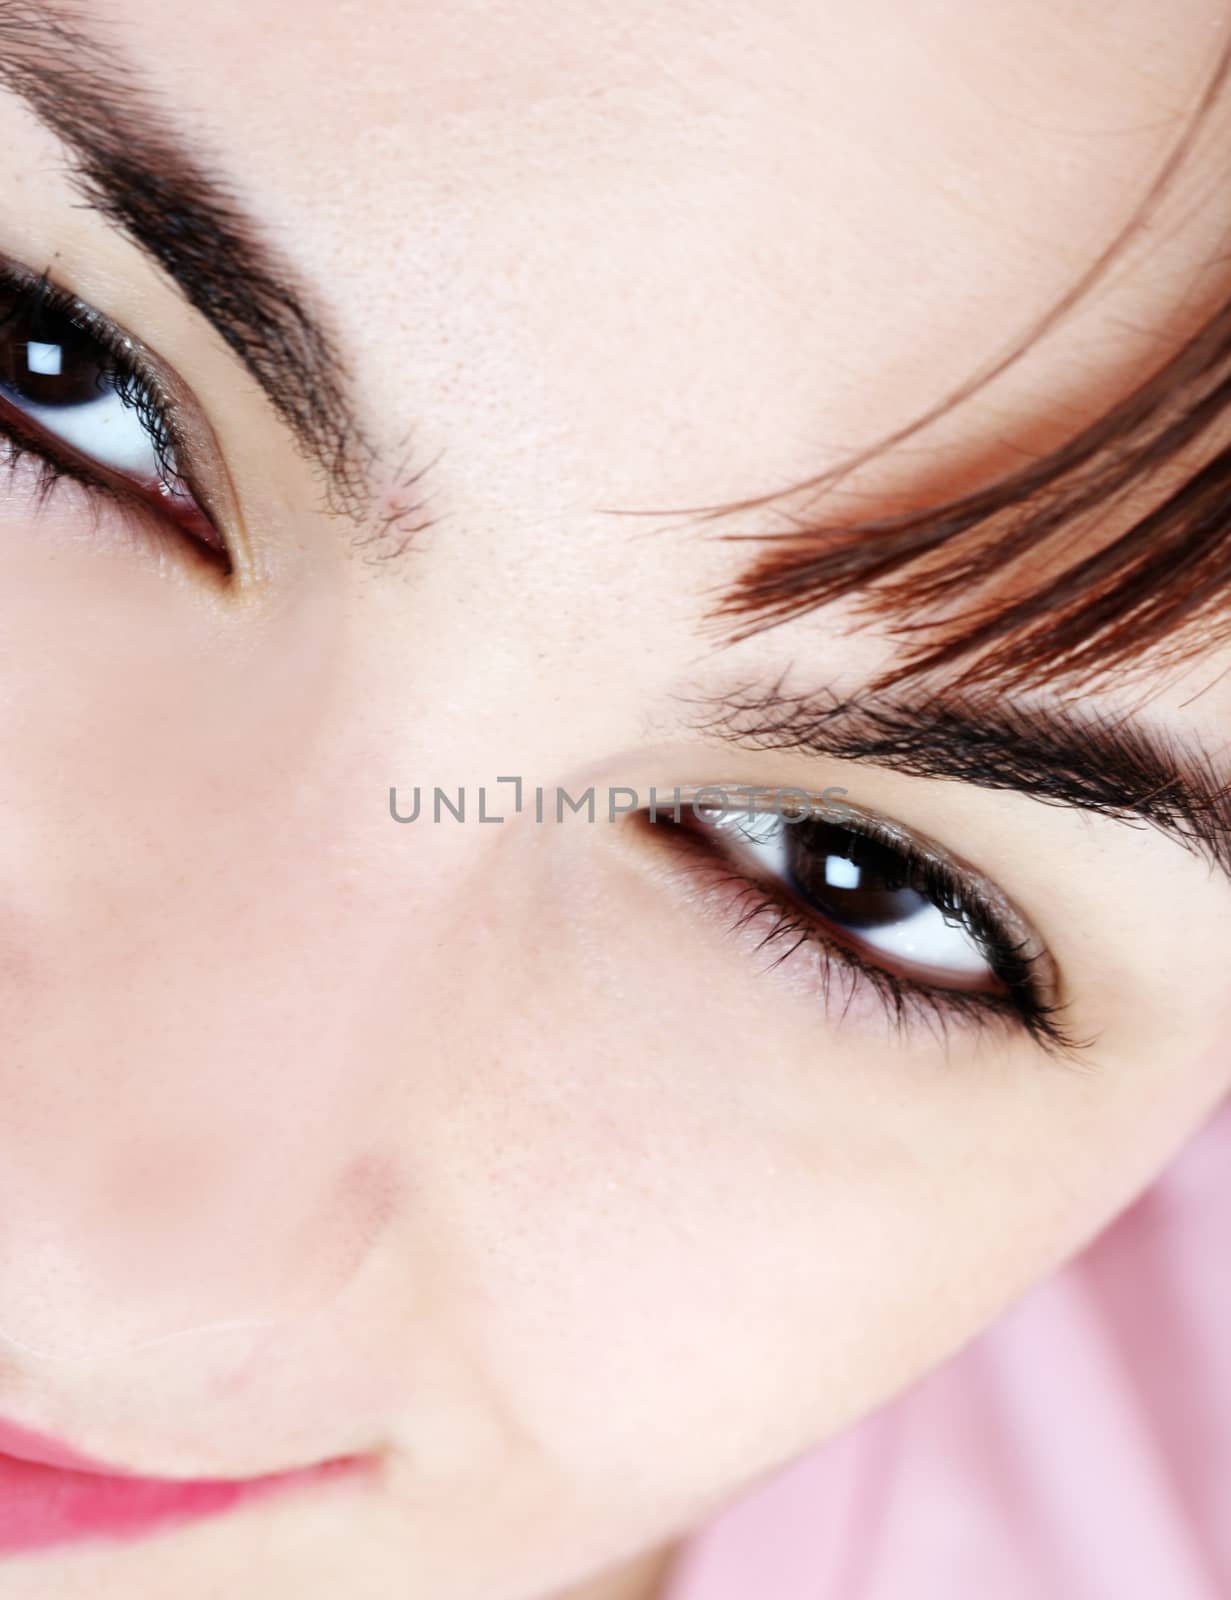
(52, 1494)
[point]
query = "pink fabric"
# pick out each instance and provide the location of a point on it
(1079, 1450)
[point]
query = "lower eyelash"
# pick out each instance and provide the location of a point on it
(45, 477)
(905, 1004)
(841, 968)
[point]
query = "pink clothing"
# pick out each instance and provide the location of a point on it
(1079, 1450)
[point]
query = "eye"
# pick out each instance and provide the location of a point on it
(870, 893)
(880, 908)
(82, 397)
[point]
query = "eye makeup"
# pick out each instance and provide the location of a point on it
(88, 407)
(879, 910)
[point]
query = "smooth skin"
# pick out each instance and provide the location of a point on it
(493, 1149)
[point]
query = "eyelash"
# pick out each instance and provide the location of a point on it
(136, 385)
(906, 1002)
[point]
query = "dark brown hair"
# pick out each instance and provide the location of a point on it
(1162, 585)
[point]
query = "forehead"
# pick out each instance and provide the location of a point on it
(733, 243)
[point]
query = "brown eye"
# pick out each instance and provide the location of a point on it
(857, 881)
(863, 889)
(61, 378)
(81, 395)
(46, 358)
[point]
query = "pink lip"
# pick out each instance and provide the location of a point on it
(51, 1494)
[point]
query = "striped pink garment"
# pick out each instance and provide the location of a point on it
(1079, 1450)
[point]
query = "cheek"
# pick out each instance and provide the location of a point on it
(187, 1135)
(747, 1225)
(244, 1062)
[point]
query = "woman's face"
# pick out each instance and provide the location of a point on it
(533, 1158)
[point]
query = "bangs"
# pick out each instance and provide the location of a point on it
(985, 588)
(939, 576)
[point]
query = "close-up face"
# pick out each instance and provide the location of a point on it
(537, 1171)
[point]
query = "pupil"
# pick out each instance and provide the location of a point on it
(856, 881)
(46, 359)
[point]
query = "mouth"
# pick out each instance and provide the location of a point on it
(52, 1495)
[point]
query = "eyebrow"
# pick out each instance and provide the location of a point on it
(131, 166)
(1116, 766)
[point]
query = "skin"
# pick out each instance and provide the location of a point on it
(494, 1150)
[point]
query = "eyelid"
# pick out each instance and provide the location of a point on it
(199, 462)
(986, 908)
(910, 841)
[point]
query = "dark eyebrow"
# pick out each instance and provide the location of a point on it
(1114, 765)
(130, 165)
